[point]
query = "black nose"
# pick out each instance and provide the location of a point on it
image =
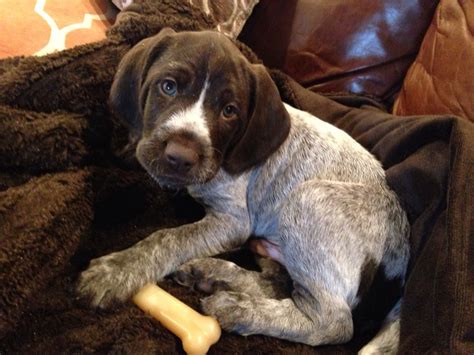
(179, 157)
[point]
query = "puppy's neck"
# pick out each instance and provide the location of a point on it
(223, 192)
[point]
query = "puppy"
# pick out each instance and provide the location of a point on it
(205, 119)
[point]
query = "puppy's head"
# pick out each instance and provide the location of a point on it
(194, 104)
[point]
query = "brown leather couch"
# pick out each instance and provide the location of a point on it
(416, 57)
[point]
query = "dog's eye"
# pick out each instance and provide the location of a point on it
(169, 87)
(230, 111)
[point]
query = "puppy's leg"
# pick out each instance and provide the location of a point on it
(302, 318)
(387, 339)
(211, 275)
(117, 276)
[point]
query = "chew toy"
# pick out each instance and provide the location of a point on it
(197, 332)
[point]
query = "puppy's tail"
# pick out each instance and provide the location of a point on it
(387, 339)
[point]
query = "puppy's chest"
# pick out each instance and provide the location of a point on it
(223, 194)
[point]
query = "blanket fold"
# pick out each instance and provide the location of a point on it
(66, 197)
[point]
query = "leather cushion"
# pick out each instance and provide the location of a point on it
(441, 80)
(360, 46)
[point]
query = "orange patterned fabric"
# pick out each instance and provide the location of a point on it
(441, 80)
(39, 27)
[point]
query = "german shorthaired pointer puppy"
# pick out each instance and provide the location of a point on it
(203, 118)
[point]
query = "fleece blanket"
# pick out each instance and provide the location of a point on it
(67, 196)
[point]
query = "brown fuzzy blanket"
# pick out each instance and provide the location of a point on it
(65, 198)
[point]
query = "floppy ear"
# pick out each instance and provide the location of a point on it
(267, 127)
(125, 90)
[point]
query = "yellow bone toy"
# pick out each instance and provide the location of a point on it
(197, 332)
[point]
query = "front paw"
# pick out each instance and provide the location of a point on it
(207, 275)
(233, 310)
(111, 278)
